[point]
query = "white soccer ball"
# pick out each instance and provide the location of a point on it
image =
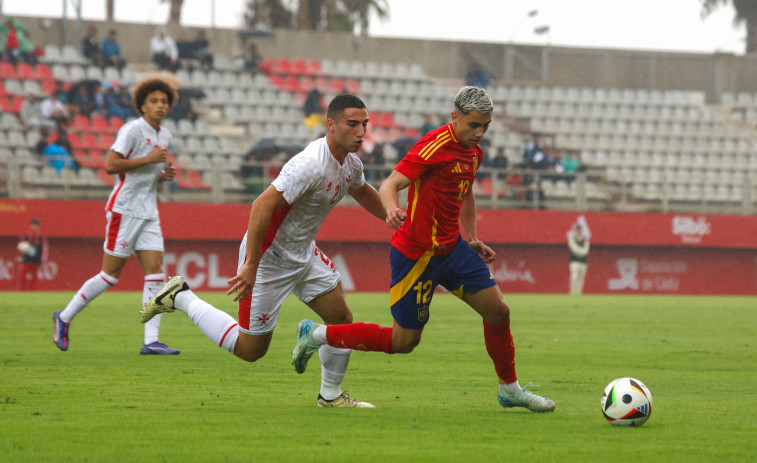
(626, 402)
(24, 247)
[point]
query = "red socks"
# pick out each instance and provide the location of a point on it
(361, 336)
(501, 349)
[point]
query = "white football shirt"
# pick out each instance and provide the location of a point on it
(312, 182)
(136, 191)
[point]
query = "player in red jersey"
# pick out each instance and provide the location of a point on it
(428, 250)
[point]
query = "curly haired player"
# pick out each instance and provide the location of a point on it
(139, 159)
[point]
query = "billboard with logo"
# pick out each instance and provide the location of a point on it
(629, 253)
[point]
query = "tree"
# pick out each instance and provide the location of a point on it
(174, 15)
(329, 15)
(361, 9)
(746, 11)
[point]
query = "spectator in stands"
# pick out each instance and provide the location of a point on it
(476, 77)
(164, 51)
(59, 158)
(186, 49)
(252, 60)
(15, 45)
(372, 164)
(118, 100)
(30, 114)
(313, 108)
(571, 164)
(90, 48)
(202, 50)
(111, 51)
(8, 41)
(44, 136)
(61, 92)
(500, 160)
(428, 124)
(83, 101)
(182, 109)
(52, 109)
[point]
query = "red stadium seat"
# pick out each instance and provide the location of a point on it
(115, 123)
(307, 84)
(194, 180)
(96, 158)
(24, 71)
(266, 66)
(292, 84)
(353, 86)
(322, 84)
(105, 177)
(5, 104)
(384, 119)
(336, 85)
(16, 103)
(44, 73)
(314, 67)
(80, 123)
(277, 81)
(48, 86)
(299, 67)
(88, 141)
(7, 71)
(3, 91)
(106, 141)
(98, 124)
(282, 66)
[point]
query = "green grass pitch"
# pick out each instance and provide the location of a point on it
(102, 402)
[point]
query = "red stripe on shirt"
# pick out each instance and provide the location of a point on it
(122, 178)
(276, 220)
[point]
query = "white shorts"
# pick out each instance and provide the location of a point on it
(125, 234)
(259, 311)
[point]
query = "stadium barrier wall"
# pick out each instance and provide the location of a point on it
(630, 252)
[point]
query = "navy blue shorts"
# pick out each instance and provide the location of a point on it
(414, 281)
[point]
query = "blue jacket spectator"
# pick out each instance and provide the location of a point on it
(111, 50)
(476, 77)
(59, 158)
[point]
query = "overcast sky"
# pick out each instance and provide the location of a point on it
(641, 24)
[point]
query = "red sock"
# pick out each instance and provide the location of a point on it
(501, 349)
(361, 336)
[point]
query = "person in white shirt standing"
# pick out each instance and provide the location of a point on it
(139, 159)
(164, 51)
(278, 255)
(578, 243)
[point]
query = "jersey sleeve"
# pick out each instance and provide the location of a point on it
(124, 140)
(297, 176)
(358, 174)
(413, 165)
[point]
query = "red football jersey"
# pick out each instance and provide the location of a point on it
(442, 171)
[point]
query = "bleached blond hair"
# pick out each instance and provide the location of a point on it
(471, 98)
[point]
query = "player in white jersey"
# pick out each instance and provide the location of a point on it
(139, 158)
(278, 255)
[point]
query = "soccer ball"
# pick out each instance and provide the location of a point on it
(24, 247)
(626, 402)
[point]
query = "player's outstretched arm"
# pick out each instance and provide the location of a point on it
(468, 221)
(390, 199)
(368, 197)
(260, 218)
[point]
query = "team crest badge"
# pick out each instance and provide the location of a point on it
(423, 314)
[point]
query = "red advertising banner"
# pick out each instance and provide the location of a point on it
(630, 253)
